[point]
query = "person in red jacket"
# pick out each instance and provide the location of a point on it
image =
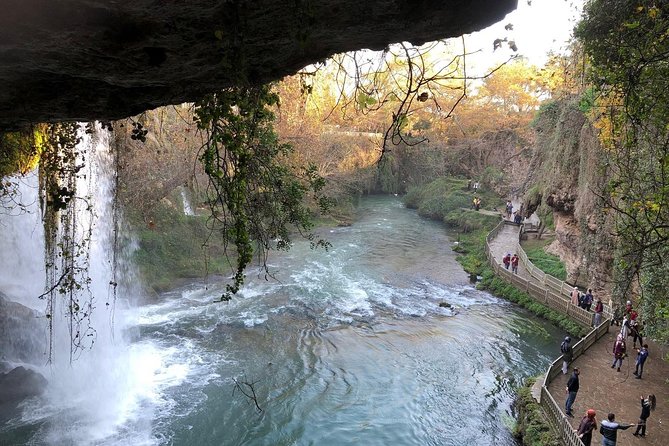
(507, 260)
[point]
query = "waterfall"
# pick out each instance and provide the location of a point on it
(96, 396)
(188, 209)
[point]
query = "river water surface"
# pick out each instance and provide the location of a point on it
(344, 347)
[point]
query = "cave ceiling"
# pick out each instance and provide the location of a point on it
(84, 60)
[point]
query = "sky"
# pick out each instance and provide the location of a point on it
(538, 27)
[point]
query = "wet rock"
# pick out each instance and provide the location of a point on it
(17, 385)
(22, 333)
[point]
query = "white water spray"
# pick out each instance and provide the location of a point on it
(96, 398)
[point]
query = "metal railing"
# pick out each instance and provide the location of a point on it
(553, 293)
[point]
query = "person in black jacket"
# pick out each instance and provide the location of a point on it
(646, 406)
(571, 391)
(609, 430)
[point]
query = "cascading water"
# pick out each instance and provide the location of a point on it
(95, 396)
(188, 208)
(345, 347)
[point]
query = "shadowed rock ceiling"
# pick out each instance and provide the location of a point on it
(64, 60)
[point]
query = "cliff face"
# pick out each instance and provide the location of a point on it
(567, 174)
(95, 59)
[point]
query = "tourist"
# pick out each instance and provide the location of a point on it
(574, 296)
(609, 430)
(507, 260)
(509, 209)
(517, 218)
(587, 300)
(641, 356)
(514, 263)
(567, 354)
(469, 184)
(646, 406)
(599, 309)
(619, 349)
(587, 426)
(476, 186)
(571, 390)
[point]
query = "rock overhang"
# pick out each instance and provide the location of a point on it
(66, 60)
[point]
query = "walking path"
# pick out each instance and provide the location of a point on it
(603, 388)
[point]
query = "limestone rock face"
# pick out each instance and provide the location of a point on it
(567, 168)
(70, 60)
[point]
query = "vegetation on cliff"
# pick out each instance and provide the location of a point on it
(627, 46)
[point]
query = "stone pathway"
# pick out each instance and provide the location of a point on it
(603, 388)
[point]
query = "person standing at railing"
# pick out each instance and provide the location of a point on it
(599, 309)
(574, 296)
(587, 426)
(587, 300)
(567, 354)
(571, 390)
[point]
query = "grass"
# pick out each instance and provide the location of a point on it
(548, 263)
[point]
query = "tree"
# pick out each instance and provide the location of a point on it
(628, 46)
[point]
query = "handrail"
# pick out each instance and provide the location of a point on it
(559, 286)
(552, 295)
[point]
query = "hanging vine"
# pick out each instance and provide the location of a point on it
(256, 198)
(66, 249)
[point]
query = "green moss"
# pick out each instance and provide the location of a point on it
(532, 427)
(19, 151)
(173, 247)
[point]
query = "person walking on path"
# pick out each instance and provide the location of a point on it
(641, 356)
(567, 354)
(507, 260)
(619, 349)
(514, 263)
(571, 391)
(599, 309)
(646, 406)
(574, 296)
(587, 426)
(609, 430)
